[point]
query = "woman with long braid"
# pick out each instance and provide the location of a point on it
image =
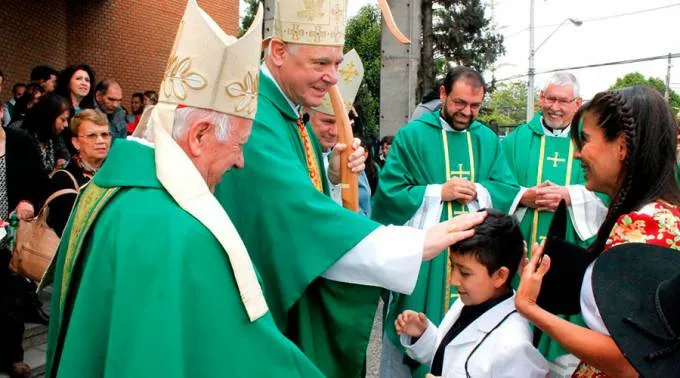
(627, 145)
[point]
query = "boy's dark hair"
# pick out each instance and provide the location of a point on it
(497, 243)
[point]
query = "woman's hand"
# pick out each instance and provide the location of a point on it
(531, 279)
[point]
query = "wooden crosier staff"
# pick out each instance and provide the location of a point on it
(349, 181)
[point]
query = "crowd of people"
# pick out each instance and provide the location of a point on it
(57, 131)
(550, 252)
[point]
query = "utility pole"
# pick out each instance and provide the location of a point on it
(530, 86)
(667, 92)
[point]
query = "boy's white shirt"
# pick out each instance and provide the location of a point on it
(507, 352)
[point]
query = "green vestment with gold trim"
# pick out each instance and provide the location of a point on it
(142, 289)
(293, 234)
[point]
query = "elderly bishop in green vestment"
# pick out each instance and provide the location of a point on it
(541, 157)
(322, 266)
(440, 165)
(151, 277)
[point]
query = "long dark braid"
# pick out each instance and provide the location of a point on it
(642, 117)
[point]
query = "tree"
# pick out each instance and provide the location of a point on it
(363, 34)
(636, 78)
(250, 15)
(461, 33)
(506, 105)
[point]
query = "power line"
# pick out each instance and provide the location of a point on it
(601, 18)
(618, 62)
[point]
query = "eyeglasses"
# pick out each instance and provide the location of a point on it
(462, 104)
(93, 137)
(560, 101)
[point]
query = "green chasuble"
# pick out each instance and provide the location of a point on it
(535, 158)
(294, 233)
(421, 154)
(142, 289)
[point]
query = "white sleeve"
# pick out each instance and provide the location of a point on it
(483, 200)
(521, 360)
(389, 257)
(430, 211)
(424, 349)
(587, 211)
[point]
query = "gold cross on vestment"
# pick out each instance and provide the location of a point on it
(556, 159)
(460, 173)
(348, 73)
(456, 212)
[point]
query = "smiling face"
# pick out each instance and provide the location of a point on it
(462, 105)
(304, 73)
(559, 105)
(602, 160)
(473, 281)
(325, 129)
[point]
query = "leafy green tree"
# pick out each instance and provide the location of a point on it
(460, 32)
(250, 15)
(506, 105)
(636, 78)
(363, 34)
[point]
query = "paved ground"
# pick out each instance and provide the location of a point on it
(373, 355)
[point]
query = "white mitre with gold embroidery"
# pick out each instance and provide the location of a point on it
(310, 22)
(350, 75)
(211, 70)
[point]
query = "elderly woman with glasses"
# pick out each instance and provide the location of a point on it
(92, 140)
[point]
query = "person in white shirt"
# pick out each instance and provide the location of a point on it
(482, 335)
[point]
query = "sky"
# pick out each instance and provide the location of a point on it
(641, 35)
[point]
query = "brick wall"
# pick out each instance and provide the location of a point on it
(28, 38)
(127, 40)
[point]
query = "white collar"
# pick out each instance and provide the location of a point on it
(447, 127)
(267, 73)
(562, 133)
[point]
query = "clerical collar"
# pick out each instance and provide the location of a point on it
(547, 130)
(267, 73)
(447, 127)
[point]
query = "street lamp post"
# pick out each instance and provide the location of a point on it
(532, 52)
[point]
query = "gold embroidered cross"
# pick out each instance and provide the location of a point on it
(456, 212)
(556, 159)
(296, 32)
(348, 73)
(460, 173)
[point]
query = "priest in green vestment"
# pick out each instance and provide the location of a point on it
(151, 278)
(541, 157)
(322, 266)
(440, 165)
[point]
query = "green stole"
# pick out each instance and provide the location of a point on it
(421, 154)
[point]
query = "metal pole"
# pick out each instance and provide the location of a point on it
(667, 92)
(530, 86)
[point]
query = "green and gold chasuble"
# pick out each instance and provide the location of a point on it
(423, 153)
(294, 233)
(142, 289)
(535, 158)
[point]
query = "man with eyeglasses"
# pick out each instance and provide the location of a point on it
(441, 165)
(540, 154)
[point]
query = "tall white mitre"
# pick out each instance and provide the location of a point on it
(211, 70)
(311, 22)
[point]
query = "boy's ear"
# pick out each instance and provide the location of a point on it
(500, 277)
